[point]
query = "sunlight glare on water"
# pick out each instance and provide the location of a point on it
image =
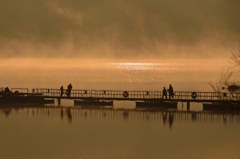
(184, 75)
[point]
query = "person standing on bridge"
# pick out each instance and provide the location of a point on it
(61, 91)
(69, 90)
(170, 90)
(164, 93)
(7, 90)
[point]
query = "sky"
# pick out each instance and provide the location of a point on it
(118, 29)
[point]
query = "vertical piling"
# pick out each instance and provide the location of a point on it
(188, 106)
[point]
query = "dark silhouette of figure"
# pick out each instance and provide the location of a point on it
(61, 91)
(7, 91)
(164, 92)
(69, 89)
(170, 90)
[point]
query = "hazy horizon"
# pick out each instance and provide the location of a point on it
(119, 29)
(185, 75)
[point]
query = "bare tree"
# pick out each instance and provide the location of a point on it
(236, 56)
(226, 83)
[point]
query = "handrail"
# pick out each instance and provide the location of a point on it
(135, 94)
(18, 89)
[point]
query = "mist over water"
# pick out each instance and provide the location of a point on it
(184, 75)
(119, 29)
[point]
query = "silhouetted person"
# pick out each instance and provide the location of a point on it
(69, 89)
(170, 90)
(61, 91)
(7, 91)
(164, 92)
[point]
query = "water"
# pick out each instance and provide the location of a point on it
(53, 132)
(184, 75)
(70, 132)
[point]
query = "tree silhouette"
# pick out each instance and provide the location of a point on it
(227, 83)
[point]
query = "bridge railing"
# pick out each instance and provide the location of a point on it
(141, 95)
(101, 93)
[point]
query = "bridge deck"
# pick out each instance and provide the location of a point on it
(135, 95)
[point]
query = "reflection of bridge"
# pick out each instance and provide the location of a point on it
(167, 117)
(120, 95)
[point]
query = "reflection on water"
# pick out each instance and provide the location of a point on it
(166, 116)
(106, 133)
(67, 112)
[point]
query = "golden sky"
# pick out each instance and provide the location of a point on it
(119, 28)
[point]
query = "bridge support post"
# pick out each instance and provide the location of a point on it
(59, 101)
(188, 106)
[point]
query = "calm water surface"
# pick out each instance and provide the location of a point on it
(184, 75)
(57, 132)
(70, 132)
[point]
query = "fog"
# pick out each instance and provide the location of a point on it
(121, 74)
(155, 29)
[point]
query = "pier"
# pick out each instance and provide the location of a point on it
(136, 95)
(129, 95)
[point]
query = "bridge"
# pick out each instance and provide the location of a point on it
(130, 95)
(136, 95)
